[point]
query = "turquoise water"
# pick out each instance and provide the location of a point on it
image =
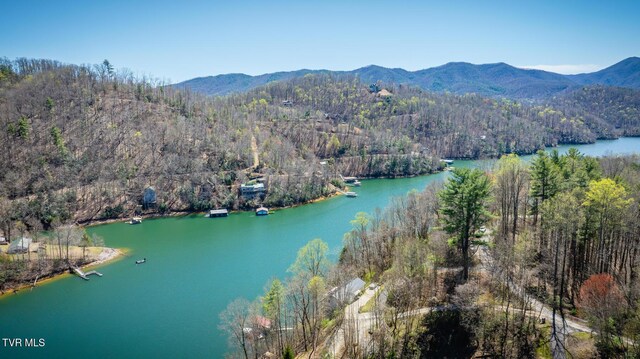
(168, 307)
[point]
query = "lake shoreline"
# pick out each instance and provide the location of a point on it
(107, 255)
(197, 267)
(99, 222)
(178, 213)
(110, 254)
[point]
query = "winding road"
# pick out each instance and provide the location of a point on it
(359, 324)
(563, 325)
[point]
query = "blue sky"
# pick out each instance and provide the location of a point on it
(178, 40)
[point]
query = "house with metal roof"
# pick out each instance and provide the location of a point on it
(19, 246)
(345, 294)
(252, 189)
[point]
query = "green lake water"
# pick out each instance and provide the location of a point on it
(169, 306)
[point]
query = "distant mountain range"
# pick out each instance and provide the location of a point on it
(499, 79)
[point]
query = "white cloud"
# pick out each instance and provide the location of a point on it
(565, 69)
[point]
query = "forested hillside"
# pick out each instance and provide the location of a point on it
(528, 260)
(469, 126)
(83, 143)
(616, 106)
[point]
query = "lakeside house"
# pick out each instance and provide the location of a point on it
(262, 323)
(252, 189)
(19, 246)
(259, 327)
(345, 294)
(218, 213)
(3, 241)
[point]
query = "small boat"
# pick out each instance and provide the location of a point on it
(136, 220)
(351, 194)
(262, 211)
(357, 183)
(140, 261)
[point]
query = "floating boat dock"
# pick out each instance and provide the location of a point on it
(448, 162)
(135, 220)
(351, 194)
(262, 211)
(218, 213)
(84, 275)
(349, 179)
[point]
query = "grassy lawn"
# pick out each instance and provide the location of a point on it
(53, 250)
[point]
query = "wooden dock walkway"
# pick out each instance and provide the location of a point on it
(84, 275)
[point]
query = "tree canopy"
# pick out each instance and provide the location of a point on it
(464, 207)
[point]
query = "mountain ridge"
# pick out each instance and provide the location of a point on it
(494, 79)
(625, 73)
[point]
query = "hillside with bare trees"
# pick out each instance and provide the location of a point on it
(83, 143)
